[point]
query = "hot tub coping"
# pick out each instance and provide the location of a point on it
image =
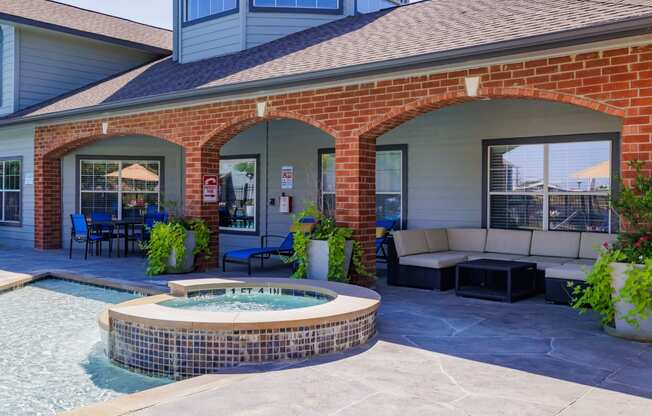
(348, 303)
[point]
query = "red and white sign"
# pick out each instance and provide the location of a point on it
(210, 188)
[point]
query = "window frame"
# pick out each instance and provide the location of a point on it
(268, 9)
(403, 148)
(613, 138)
(18, 223)
(79, 158)
(186, 22)
(256, 231)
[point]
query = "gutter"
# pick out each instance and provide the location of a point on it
(624, 28)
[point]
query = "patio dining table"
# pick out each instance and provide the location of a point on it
(128, 225)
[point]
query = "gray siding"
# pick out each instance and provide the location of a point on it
(51, 64)
(290, 143)
(129, 147)
(266, 27)
(19, 142)
(7, 69)
(211, 38)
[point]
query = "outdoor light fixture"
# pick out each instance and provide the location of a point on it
(472, 85)
(105, 127)
(261, 108)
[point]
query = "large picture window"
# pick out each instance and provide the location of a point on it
(557, 184)
(122, 188)
(10, 179)
(200, 9)
(239, 193)
(390, 183)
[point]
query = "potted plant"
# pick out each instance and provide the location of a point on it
(620, 282)
(174, 246)
(322, 250)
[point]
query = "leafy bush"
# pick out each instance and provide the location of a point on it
(165, 237)
(325, 229)
(634, 246)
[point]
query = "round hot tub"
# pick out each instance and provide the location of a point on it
(210, 324)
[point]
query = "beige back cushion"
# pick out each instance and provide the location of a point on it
(555, 244)
(437, 240)
(509, 241)
(409, 242)
(466, 239)
(590, 244)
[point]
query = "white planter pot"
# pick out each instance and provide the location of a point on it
(188, 263)
(318, 259)
(623, 329)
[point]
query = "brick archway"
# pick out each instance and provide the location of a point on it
(399, 115)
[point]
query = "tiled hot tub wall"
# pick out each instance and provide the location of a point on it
(181, 353)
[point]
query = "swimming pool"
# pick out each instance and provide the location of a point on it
(51, 356)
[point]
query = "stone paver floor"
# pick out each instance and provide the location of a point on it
(435, 354)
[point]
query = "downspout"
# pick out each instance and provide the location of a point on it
(267, 177)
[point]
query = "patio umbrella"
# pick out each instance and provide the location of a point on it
(137, 172)
(601, 170)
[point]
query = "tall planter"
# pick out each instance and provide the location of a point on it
(187, 264)
(623, 328)
(318, 254)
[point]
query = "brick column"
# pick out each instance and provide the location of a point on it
(47, 203)
(200, 162)
(355, 179)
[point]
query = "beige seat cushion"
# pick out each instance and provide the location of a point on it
(437, 240)
(466, 239)
(509, 241)
(492, 256)
(590, 244)
(543, 263)
(432, 260)
(555, 244)
(410, 242)
(568, 271)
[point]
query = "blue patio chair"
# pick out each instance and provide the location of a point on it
(263, 252)
(82, 233)
(388, 225)
(149, 221)
(244, 256)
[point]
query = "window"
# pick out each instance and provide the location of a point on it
(556, 185)
(10, 178)
(328, 6)
(390, 182)
(368, 6)
(199, 9)
(122, 188)
(238, 193)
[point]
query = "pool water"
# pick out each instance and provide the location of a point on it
(244, 302)
(51, 357)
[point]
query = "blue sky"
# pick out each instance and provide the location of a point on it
(152, 12)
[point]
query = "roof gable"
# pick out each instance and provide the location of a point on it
(65, 18)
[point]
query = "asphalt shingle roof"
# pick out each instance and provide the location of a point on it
(406, 31)
(82, 20)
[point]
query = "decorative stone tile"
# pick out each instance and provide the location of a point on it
(183, 353)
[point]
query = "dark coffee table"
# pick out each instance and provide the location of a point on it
(502, 280)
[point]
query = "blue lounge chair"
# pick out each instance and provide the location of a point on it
(263, 252)
(82, 233)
